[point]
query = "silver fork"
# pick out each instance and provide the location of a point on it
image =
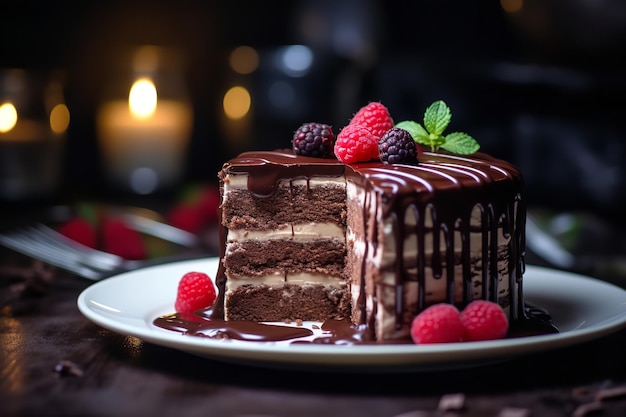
(41, 242)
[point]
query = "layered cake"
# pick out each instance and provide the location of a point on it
(284, 241)
(371, 242)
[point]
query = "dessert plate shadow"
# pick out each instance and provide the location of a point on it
(582, 308)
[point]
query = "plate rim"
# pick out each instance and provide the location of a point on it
(369, 356)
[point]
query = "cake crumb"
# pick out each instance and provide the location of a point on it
(34, 279)
(299, 323)
(451, 402)
(68, 368)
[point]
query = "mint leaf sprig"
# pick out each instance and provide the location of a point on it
(436, 120)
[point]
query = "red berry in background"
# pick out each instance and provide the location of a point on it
(194, 214)
(374, 117)
(195, 292)
(484, 320)
(186, 217)
(356, 144)
(208, 203)
(79, 230)
(119, 239)
(439, 323)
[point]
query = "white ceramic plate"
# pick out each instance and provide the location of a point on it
(582, 308)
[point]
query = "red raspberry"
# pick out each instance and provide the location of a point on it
(374, 117)
(356, 144)
(79, 230)
(439, 323)
(195, 292)
(121, 240)
(484, 320)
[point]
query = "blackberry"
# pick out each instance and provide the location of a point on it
(397, 146)
(313, 139)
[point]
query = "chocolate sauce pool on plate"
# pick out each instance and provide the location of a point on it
(333, 332)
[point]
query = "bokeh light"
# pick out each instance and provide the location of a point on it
(8, 117)
(59, 118)
(511, 6)
(244, 60)
(295, 60)
(237, 102)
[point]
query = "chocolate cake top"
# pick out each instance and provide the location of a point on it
(434, 171)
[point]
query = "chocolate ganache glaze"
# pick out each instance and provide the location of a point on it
(450, 187)
(263, 175)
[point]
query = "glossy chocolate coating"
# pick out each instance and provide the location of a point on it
(451, 186)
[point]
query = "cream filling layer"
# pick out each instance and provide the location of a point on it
(278, 280)
(240, 181)
(299, 232)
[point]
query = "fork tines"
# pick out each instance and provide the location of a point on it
(43, 243)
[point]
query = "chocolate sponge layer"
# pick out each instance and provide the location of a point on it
(295, 271)
(287, 205)
(262, 257)
(288, 303)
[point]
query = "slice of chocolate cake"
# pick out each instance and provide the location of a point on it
(284, 246)
(315, 239)
(375, 233)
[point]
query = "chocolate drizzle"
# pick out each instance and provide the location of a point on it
(332, 332)
(441, 192)
(447, 188)
(203, 326)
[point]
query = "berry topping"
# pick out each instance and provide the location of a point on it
(313, 139)
(79, 230)
(195, 292)
(397, 146)
(483, 320)
(356, 144)
(375, 118)
(439, 323)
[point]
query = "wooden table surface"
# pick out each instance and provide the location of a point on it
(55, 362)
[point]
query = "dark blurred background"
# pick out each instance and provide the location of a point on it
(538, 82)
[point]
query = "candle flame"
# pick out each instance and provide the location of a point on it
(8, 117)
(142, 98)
